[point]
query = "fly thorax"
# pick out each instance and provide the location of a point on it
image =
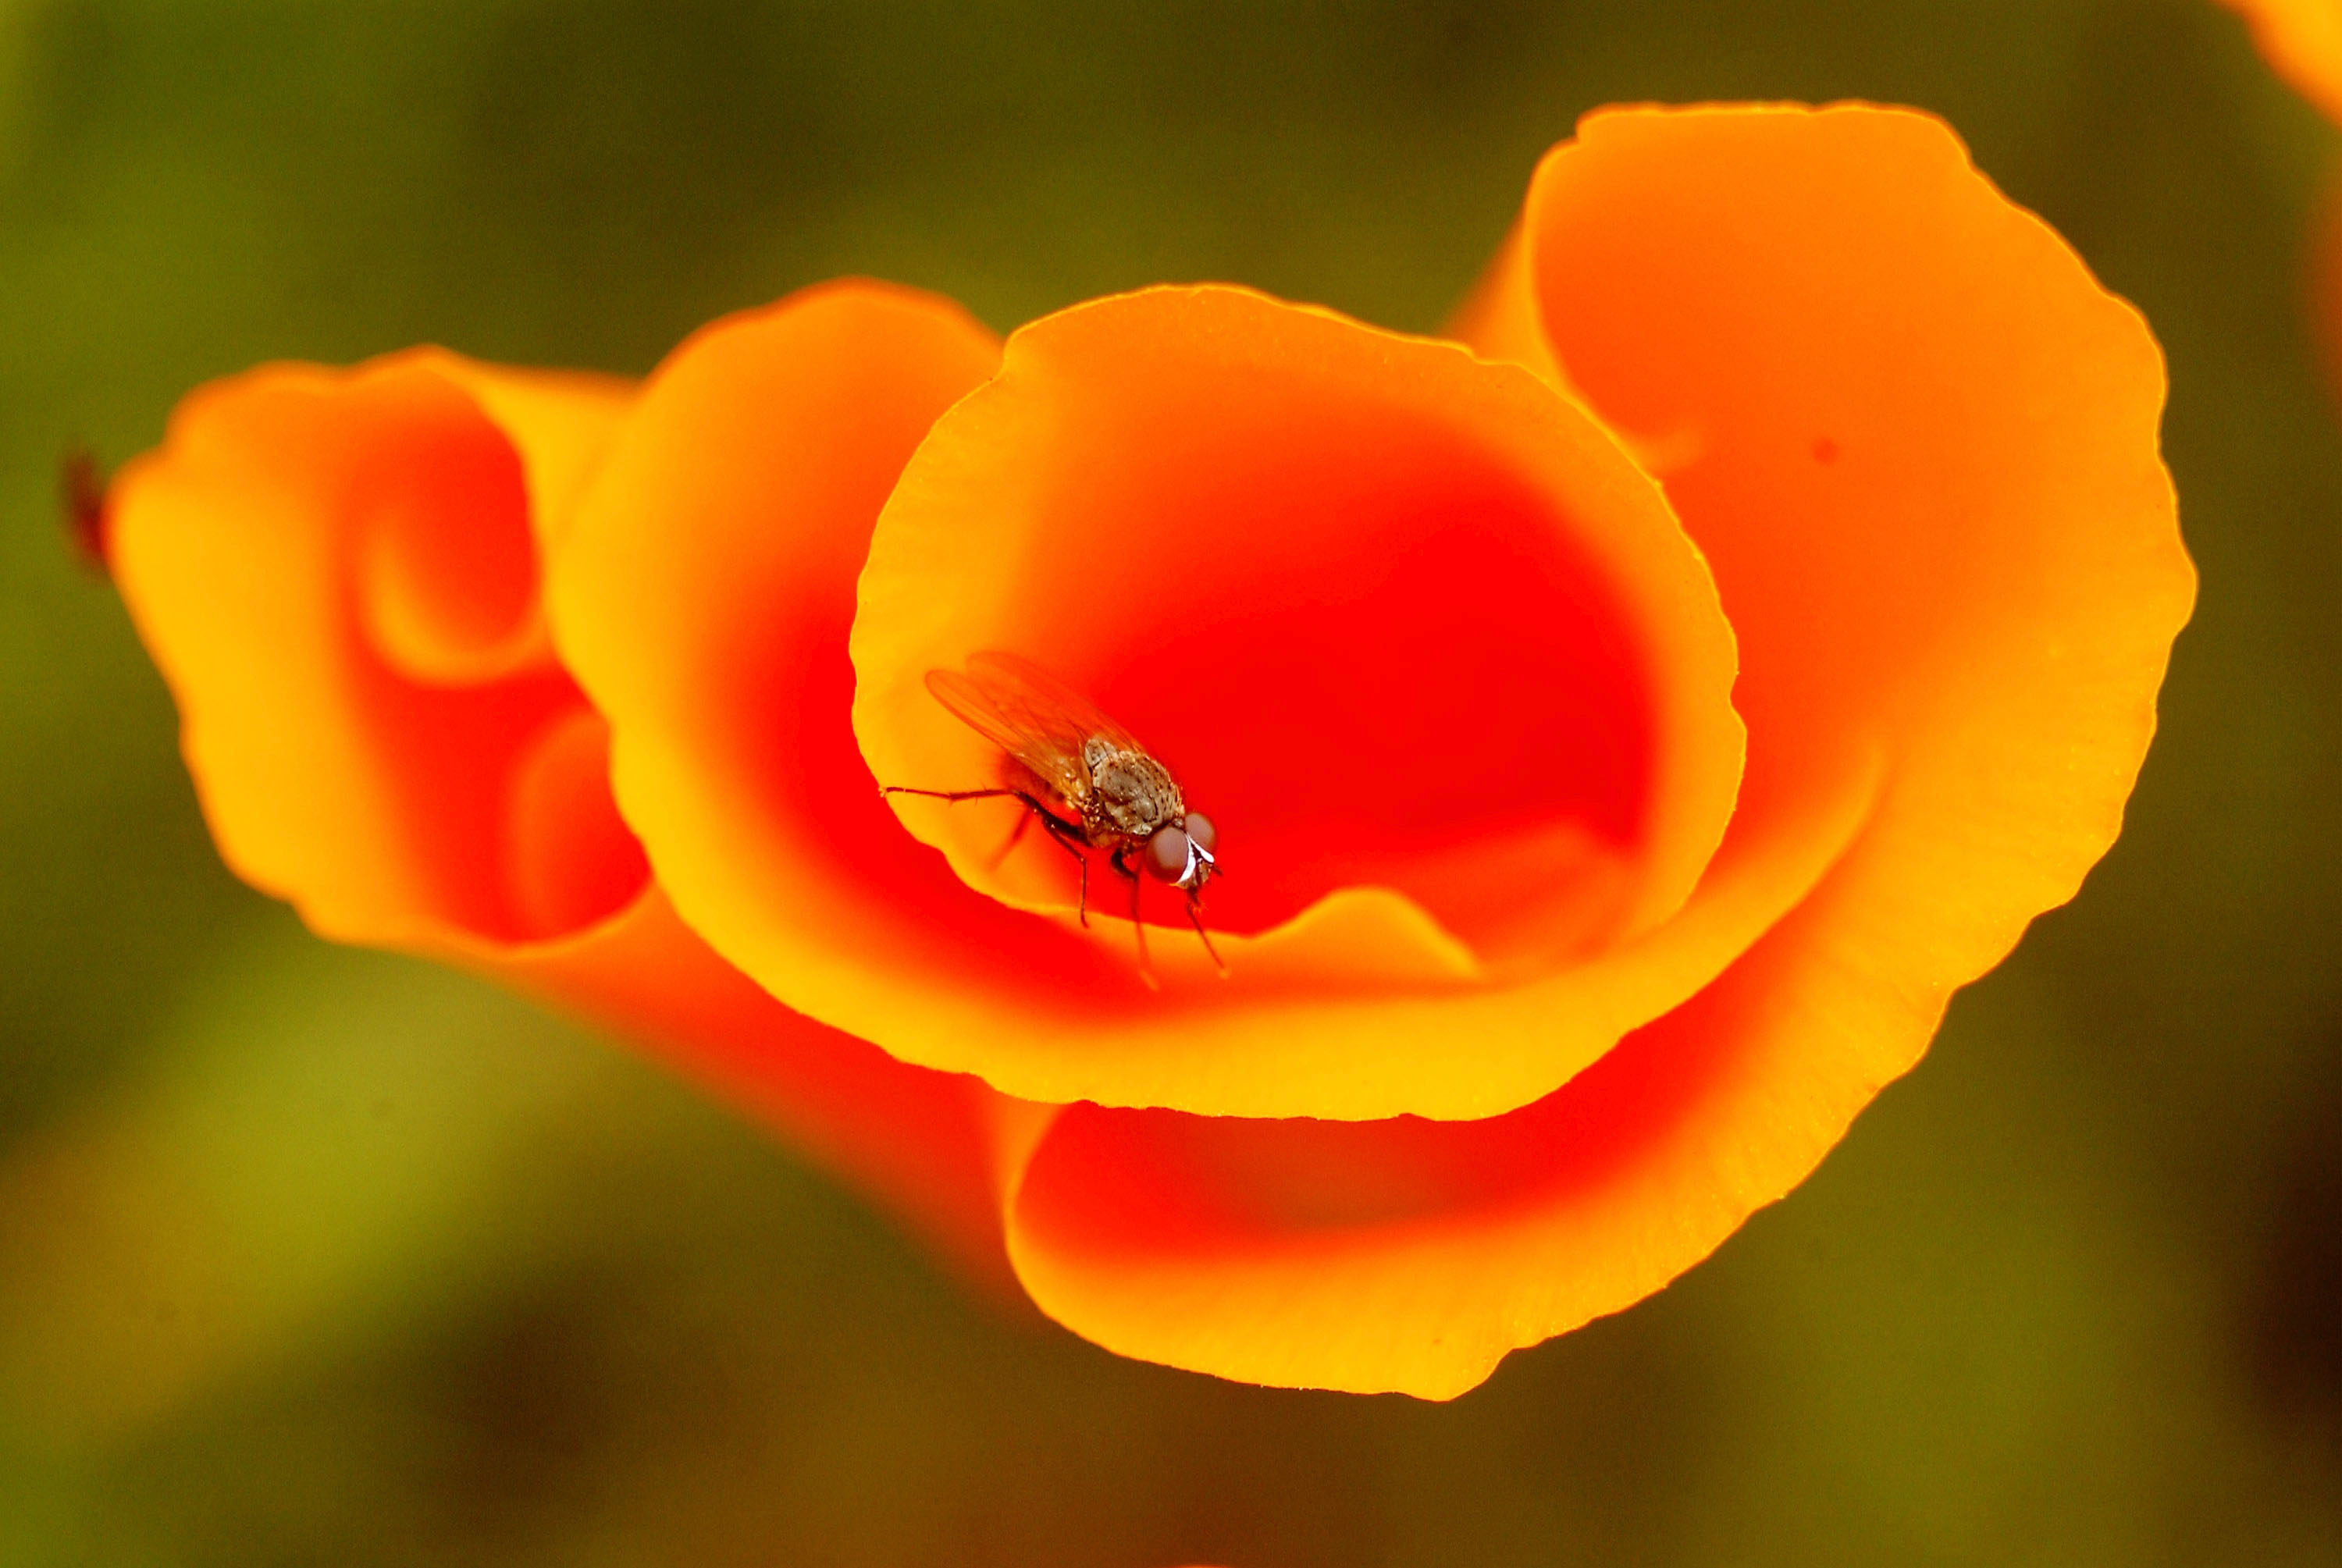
(1133, 791)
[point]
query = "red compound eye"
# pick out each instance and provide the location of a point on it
(1166, 854)
(1200, 829)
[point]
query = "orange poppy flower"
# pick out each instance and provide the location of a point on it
(1618, 761)
(338, 572)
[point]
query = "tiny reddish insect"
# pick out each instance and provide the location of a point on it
(1085, 779)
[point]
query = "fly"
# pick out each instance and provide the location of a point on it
(1085, 779)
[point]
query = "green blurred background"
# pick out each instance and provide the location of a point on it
(314, 1256)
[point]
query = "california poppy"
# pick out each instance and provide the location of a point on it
(1773, 418)
(1626, 721)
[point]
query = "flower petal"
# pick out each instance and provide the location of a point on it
(1409, 1256)
(338, 574)
(336, 571)
(773, 848)
(1919, 453)
(1918, 444)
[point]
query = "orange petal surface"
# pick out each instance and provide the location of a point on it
(338, 572)
(1917, 445)
(1424, 630)
(1417, 636)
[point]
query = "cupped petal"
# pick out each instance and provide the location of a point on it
(336, 571)
(1398, 617)
(1377, 556)
(1409, 1256)
(1918, 444)
(338, 574)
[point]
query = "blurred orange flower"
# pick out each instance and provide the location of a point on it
(338, 572)
(2302, 41)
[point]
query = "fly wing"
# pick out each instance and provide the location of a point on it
(1020, 685)
(1031, 714)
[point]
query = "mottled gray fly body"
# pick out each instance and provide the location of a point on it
(1091, 785)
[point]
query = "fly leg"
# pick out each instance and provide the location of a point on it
(1067, 836)
(1145, 969)
(959, 794)
(1016, 837)
(1196, 919)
